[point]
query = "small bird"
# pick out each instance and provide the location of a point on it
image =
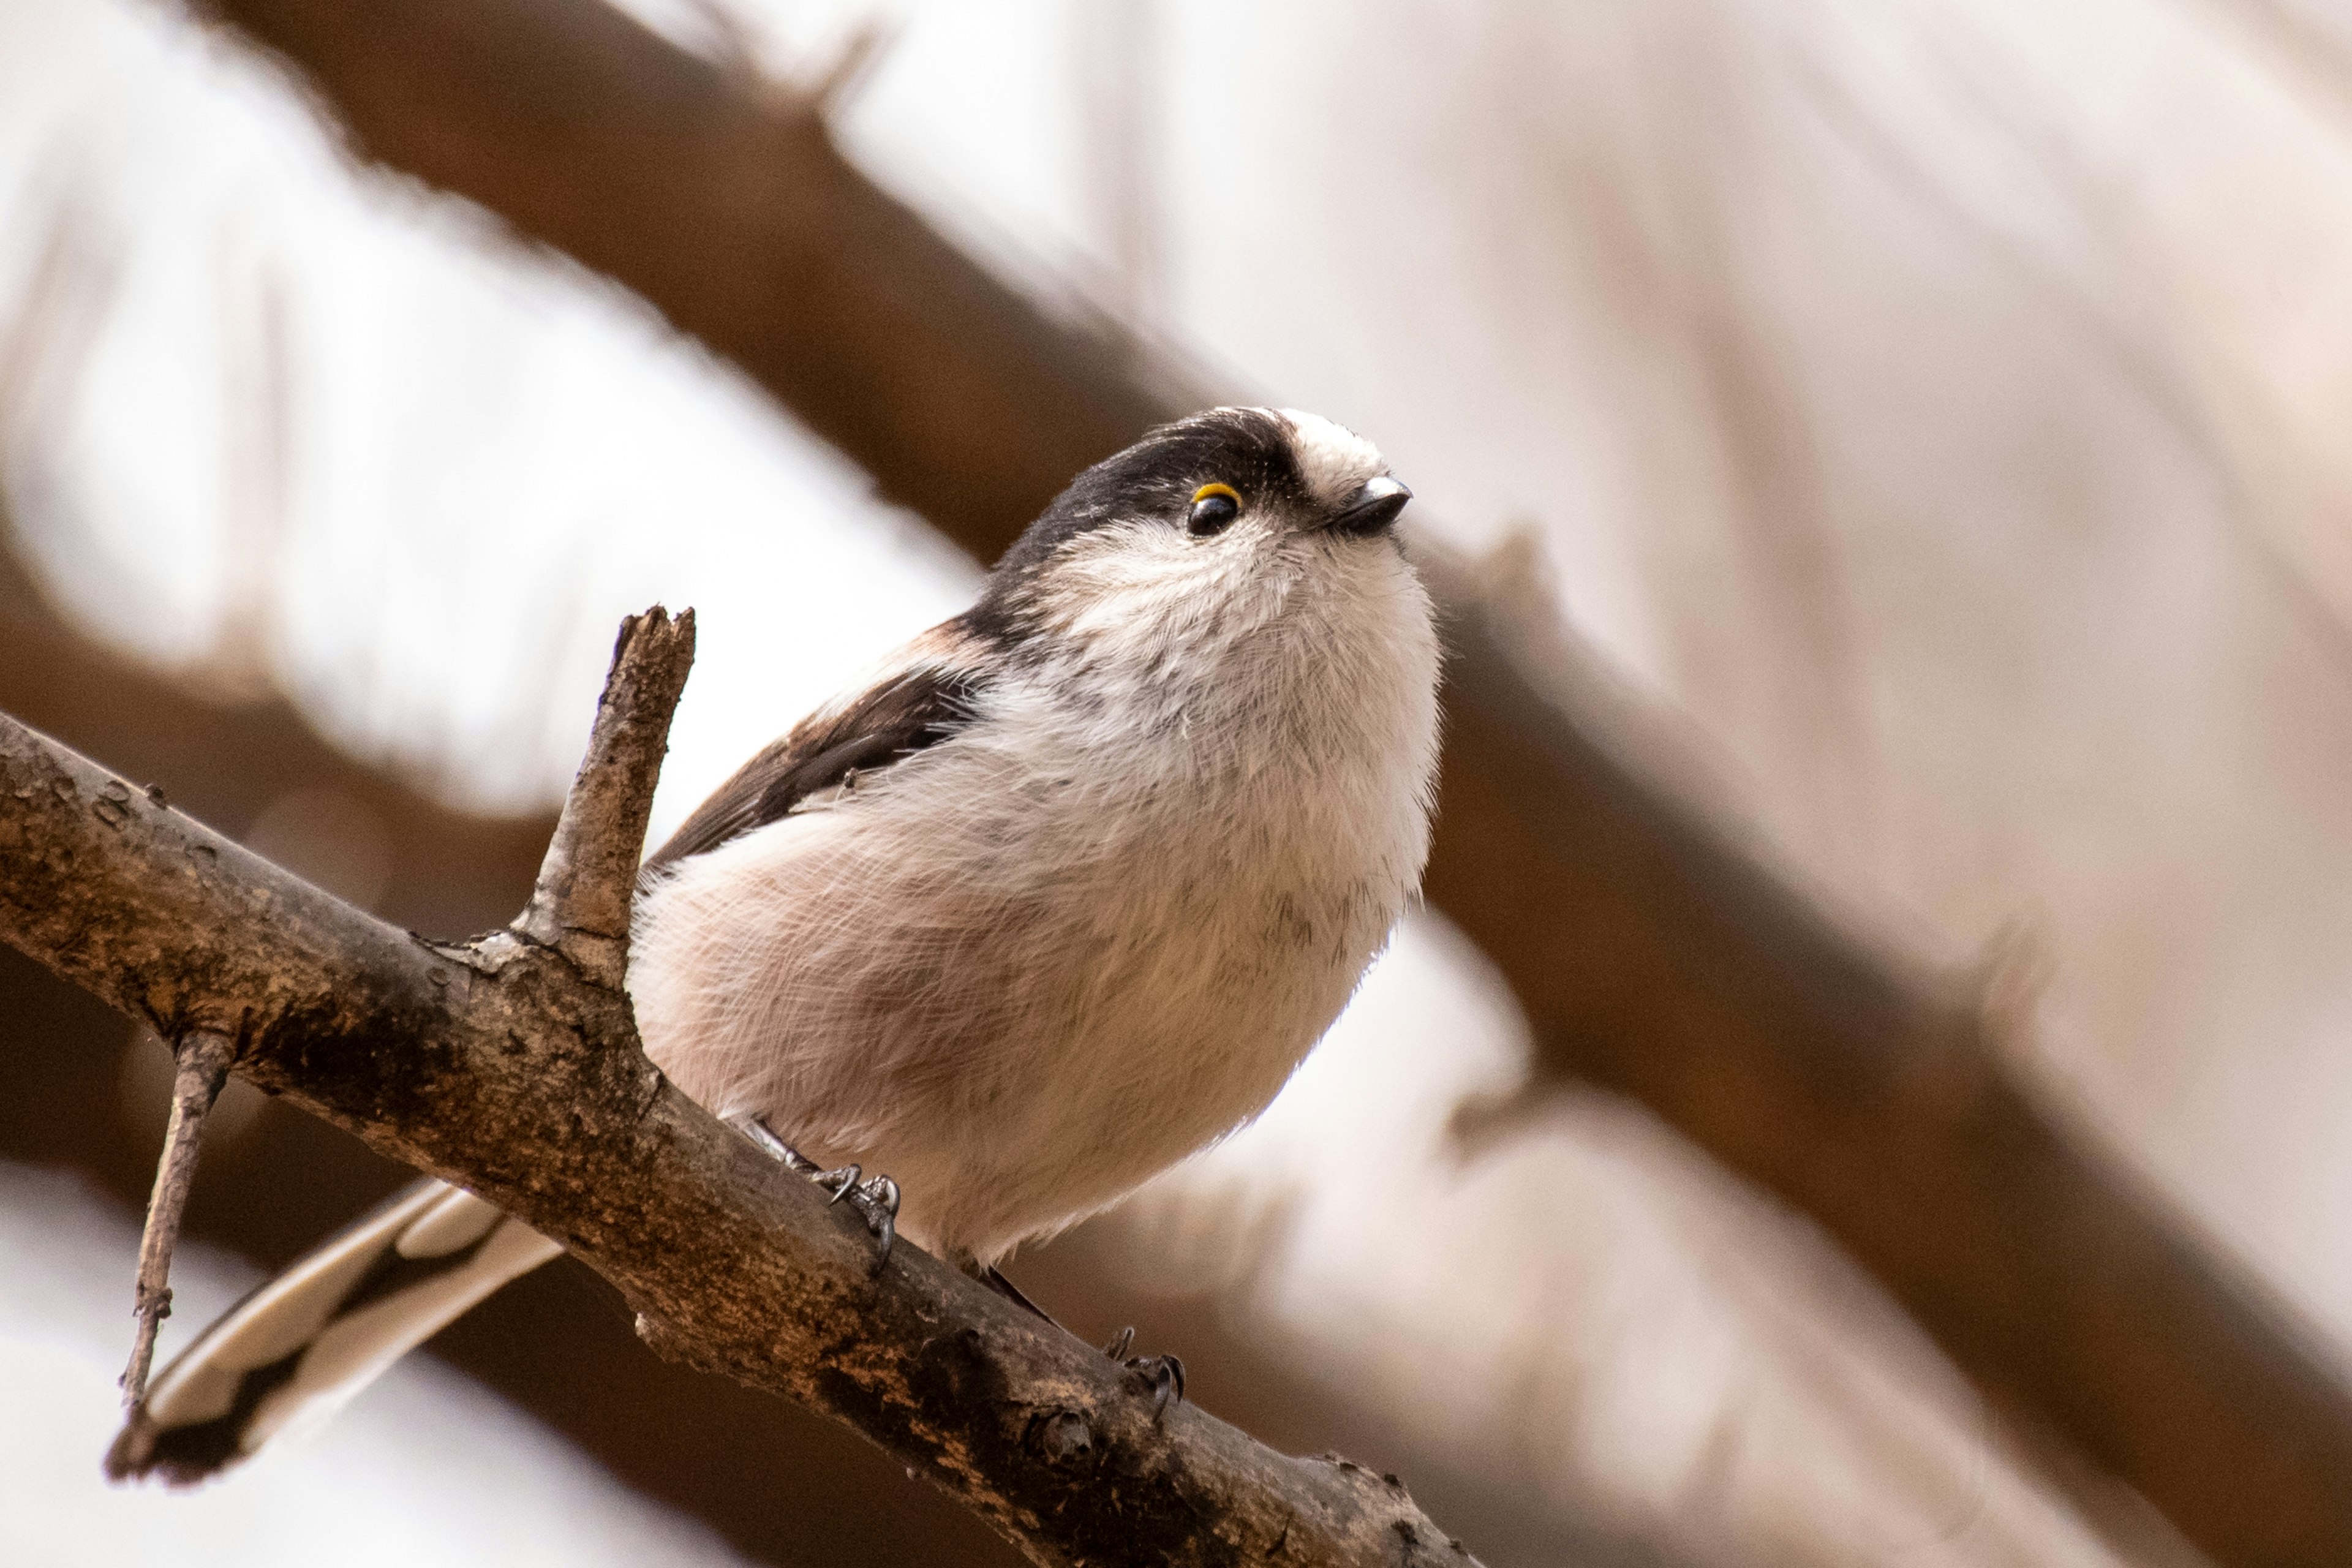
(1062, 894)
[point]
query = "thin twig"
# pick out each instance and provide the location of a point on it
(201, 1059)
(581, 905)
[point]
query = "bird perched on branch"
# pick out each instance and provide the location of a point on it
(1062, 894)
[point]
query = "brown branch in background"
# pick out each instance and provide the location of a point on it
(501, 1065)
(592, 134)
(200, 1066)
(1654, 952)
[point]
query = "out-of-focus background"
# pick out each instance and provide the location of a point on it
(1919, 432)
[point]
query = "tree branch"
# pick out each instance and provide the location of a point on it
(507, 1068)
(1654, 952)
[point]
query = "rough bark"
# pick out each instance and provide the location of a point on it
(1653, 951)
(507, 1065)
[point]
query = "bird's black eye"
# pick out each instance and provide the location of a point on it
(1213, 508)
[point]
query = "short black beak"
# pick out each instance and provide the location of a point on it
(1375, 507)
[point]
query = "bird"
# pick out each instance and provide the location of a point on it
(1061, 893)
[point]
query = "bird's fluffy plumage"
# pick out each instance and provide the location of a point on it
(1177, 803)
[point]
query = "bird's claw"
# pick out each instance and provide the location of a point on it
(875, 1198)
(1163, 1374)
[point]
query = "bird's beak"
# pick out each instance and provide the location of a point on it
(1374, 507)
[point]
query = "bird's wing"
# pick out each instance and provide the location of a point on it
(924, 696)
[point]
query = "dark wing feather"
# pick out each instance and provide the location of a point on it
(895, 718)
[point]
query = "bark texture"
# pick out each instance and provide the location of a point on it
(509, 1066)
(1655, 952)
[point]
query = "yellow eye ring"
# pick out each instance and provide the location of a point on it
(1213, 507)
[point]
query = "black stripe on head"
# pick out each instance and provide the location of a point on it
(1248, 448)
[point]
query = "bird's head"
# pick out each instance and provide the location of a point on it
(1213, 522)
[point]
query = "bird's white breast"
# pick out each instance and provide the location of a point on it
(1024, 969)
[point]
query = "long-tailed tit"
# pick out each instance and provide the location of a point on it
(1065, 892)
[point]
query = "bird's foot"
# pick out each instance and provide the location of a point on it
(1163, 1375)
(875, 1198)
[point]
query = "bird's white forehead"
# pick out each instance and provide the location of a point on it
(1333, 460)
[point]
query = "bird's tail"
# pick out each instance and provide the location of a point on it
(304, 1342)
